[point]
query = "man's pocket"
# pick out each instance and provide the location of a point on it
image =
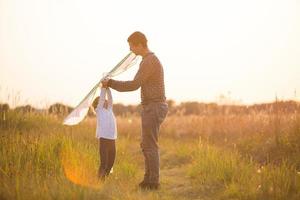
(161, 111)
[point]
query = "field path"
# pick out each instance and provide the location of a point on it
(177, 184)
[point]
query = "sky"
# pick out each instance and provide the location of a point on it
(56, 50)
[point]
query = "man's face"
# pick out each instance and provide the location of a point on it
(135, 48)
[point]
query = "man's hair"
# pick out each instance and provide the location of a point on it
(95, 103)
(138, 38)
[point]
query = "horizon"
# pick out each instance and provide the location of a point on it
(55, 51)
(175, 104)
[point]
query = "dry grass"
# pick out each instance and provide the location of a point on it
(207, 157)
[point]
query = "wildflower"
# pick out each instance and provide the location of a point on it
(129, 121)
(258, 171)
(258, 187)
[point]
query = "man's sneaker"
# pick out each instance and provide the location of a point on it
(143, 184)
(154, 186)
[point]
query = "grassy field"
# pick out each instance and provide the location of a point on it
(254, 156)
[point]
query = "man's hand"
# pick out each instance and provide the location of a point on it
(105, 83)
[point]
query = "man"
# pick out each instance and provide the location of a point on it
(150, 77)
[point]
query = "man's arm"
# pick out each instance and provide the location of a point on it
(141, 76)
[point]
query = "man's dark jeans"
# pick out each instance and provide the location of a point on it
(153, 115)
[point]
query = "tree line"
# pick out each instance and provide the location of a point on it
(184, 108)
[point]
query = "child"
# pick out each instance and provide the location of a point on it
(106, 131)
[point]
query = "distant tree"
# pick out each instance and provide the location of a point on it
(122, 110)
(172, 106)
(25, 109)
(59, 109)
(191, 108)
(4, 107)
(119, 109)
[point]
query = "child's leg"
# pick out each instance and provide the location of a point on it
(103, 158)
(111, 155)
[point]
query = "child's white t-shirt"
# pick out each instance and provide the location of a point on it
(106, 121)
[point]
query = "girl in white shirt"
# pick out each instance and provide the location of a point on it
(106, 131)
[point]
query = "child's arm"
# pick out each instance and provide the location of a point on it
(109, 98)
(102, 98)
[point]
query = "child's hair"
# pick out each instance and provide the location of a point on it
(95, 103)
